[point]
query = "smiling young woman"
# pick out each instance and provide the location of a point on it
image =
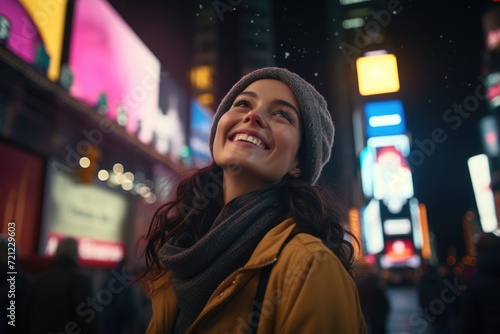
(265, 250)
(260, 135)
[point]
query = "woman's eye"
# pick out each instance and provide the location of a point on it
(284, 114)
(241, 103)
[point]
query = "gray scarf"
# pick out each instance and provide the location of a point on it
(198, 268)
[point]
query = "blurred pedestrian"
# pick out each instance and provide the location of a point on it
(250, 242)
(481, 299)
(438, 303)
(59, 297)
(374, 302)
(119, 316)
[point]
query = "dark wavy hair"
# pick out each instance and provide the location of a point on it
(199, 199)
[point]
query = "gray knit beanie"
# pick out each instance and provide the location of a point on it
(318, 129)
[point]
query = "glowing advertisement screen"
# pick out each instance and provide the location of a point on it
(479, 170)
(397, 226)
(392, 177)
(384, 118)
(367, 161)
(201, 121)
(169, 135)
(35, 31)
(385, 171)
(371, 227)
(110, 63)
(92, 214)
(399, 252)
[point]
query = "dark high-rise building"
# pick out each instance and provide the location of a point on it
(230, 39)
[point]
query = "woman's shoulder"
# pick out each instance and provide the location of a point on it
(308, 248)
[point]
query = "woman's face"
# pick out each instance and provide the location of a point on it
(259, 136)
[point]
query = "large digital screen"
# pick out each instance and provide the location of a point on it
(90, 213)
(399, 252)
(479, 170)
(34, 31)
(113, 68)
(384, 118)
(392, 177)
(169, 133)
(201, 121)
(385, 171)
(371, 227)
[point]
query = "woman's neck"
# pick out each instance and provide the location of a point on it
(236, 185)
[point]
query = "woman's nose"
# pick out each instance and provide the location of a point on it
(256, 117)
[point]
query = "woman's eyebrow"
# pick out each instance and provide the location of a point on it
(278, 101)
(249, 93)
(287, 104)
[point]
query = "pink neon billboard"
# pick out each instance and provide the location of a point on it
(107, 58)
(24, 37)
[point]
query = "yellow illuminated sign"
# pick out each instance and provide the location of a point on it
(202, 77)
(49, 17)
(206, 99)
(377, 74)
(355, 228)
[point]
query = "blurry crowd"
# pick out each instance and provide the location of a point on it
(465, 304)
(63, 298)
(447, 304)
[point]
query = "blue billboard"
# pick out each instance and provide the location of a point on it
(384, 118)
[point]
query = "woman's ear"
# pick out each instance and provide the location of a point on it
(295, 172)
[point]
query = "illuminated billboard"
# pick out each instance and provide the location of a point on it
(384, 118)
(400, 252)
(110, 63)
(479, 170)
(169, 134)
(377, 73)
(371, 228)
(385, 171)
(201, 121)
(34, 31)
(392, 177)
(90, 213)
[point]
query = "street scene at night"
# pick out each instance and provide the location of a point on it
(243, 166)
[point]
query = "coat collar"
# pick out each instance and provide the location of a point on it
(268, 248)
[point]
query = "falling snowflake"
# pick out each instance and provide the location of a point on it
(316, 74)
(287, 54)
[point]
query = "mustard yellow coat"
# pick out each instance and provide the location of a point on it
(309, 291)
